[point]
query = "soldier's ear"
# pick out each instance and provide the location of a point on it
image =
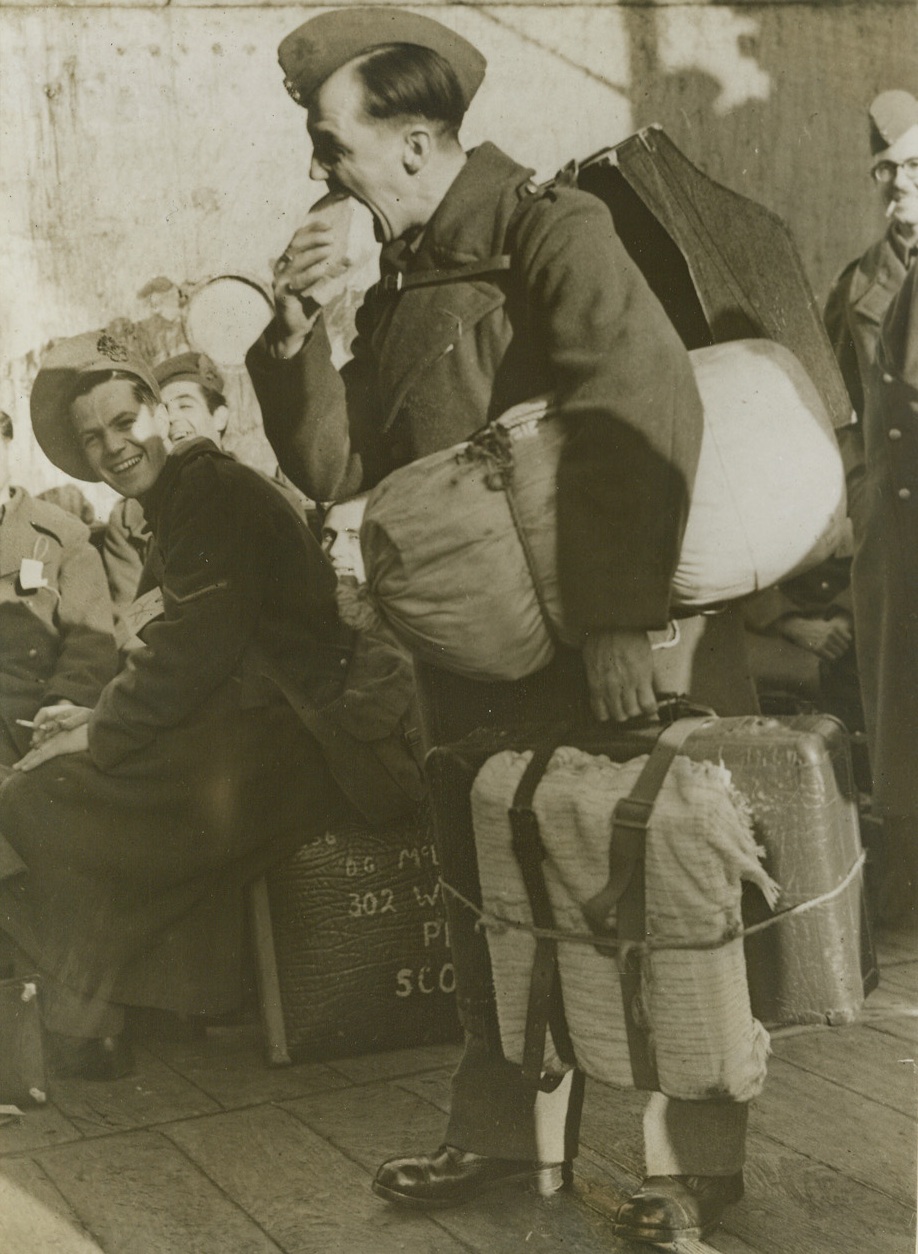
(417, 148)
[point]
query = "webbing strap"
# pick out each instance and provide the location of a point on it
(546, 1007)
(625, 892)
(630, 819)
(392, 284)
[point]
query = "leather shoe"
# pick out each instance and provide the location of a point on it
(452, 1175)
(667, 1209)
(89, 1057)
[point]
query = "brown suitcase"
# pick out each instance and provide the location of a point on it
(815, 965)
(360, 943)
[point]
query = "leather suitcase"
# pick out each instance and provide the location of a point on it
(360, 943)
(817, 964)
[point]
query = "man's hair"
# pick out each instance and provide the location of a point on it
(406, 80)
(143, 393)
(6, 425)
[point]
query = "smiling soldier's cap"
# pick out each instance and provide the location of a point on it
(196, 367)
(311, 53)
(63, 370)
(893, 126)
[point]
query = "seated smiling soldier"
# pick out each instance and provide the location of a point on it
(492, 292)
(191, 387)
(140, 820)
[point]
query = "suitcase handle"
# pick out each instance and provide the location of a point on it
(672, 706)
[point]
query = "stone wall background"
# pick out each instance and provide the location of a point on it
(143, 141)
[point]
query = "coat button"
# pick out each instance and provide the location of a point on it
(904, 494)
(33, 653)
(894, 433)
(887, 378)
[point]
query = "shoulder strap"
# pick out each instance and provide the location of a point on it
(626, 892)
(391, 284)
(546, 1007)
(394, 284)
(630, 820)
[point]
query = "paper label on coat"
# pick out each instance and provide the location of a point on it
(31, 575)
(144, 610)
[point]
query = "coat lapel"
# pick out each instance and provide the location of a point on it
(425, 326)
(468, 227)
(876, 281)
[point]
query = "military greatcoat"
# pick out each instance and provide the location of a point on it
(571, 315)
(56, 627)
(854, 312)
(885, 574)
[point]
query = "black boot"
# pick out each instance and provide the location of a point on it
(452, 1175)
(667, 1209)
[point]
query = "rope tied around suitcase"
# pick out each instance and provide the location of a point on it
(612, 945)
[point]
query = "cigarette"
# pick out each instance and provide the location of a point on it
(24, 722)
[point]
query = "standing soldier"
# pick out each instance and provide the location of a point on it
(854, 315)
(863, 291)
(192, 391)
(493, 291)
(885, 579)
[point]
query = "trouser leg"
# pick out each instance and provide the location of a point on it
(694, 1138)
(898, 893)
(70, 1014)
(494, 1113)
(65, 1011)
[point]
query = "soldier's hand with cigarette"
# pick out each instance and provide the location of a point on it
(57, 729)
(52, 719)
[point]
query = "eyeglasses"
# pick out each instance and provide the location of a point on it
(885, 171)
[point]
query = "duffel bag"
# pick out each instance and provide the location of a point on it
(460, 546)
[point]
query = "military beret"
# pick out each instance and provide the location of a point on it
(311, 53)
(62, 368)
(197, 367)
(893, 115)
